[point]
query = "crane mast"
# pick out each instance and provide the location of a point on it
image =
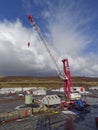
(65, 75)
(67, 83)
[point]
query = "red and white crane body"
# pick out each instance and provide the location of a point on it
(65, 75)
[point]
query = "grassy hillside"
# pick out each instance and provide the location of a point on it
(49, 82)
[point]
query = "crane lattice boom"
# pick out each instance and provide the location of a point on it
(65, 75)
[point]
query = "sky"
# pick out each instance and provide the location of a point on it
(70, 28)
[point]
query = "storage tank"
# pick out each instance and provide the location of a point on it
(28, 99)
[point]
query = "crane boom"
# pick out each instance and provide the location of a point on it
(36, 28)
(65, 75)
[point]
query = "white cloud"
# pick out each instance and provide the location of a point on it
(69, 26)
(16, 57)
(84, 65)
(68, 30)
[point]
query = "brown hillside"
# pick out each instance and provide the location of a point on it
(54, 82)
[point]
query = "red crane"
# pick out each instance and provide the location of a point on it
(68, 82)
(66, 70)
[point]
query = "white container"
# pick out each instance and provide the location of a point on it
(74, 96)
(51, 100)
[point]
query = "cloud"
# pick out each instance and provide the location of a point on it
(68, 24)
(16, 57)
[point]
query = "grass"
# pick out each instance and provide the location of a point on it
(48, 82)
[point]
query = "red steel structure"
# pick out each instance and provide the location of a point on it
(68, 82)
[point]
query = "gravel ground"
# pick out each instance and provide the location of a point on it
(7, 107)
(58, 122)
(36, 123)
(88, 122)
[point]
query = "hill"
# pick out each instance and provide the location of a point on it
(49, 82)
